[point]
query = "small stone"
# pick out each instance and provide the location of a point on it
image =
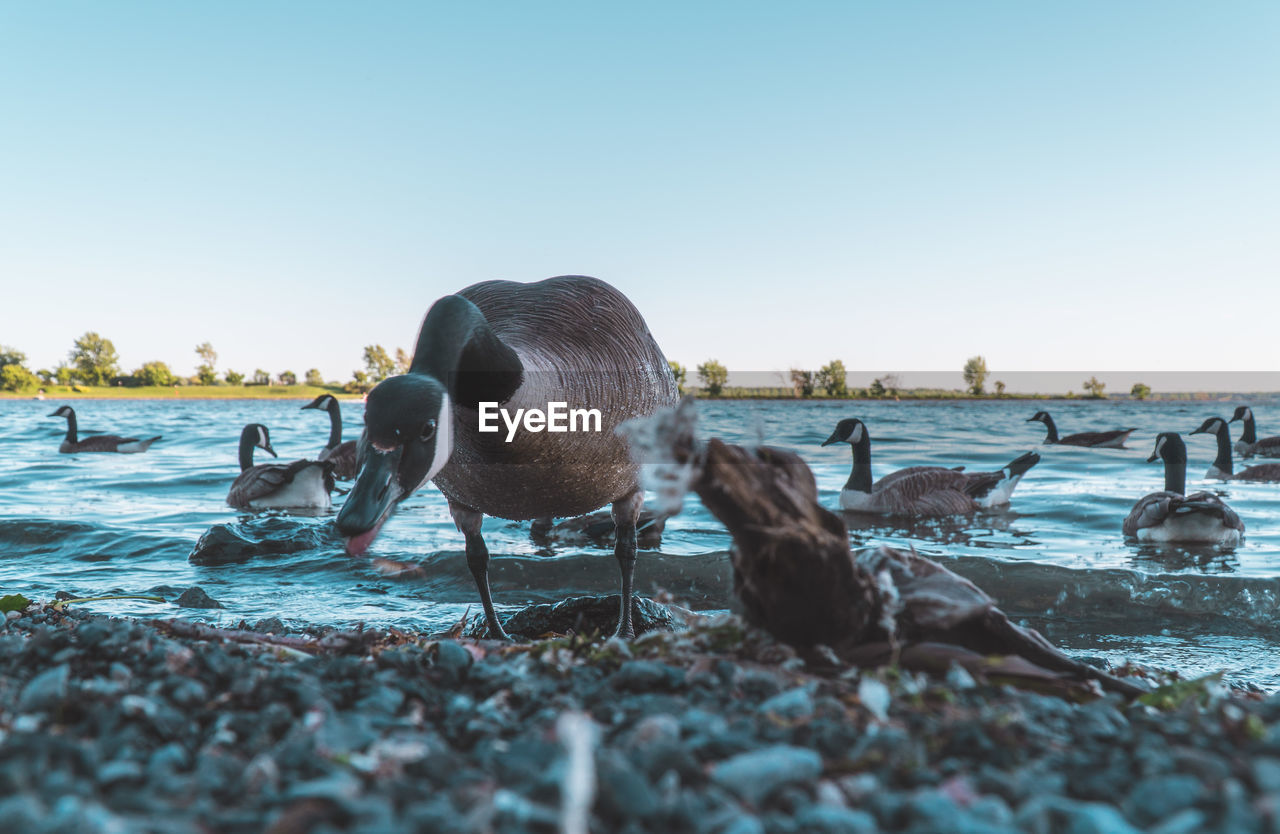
(792, 705)
(195, 597)
(120, 770)
(757, 774)
(646, 676)
(452, 659)
(1157, 797)
(1186, 821)
(825, 819)
(1266, 774)
(46, 691)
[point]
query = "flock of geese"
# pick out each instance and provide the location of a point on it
(299, 484)
(1166, 516)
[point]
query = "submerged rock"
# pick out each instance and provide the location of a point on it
(229, 544)
(195, 597)
(581, 615)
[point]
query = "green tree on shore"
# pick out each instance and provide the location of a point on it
(403, 361)
(377, 363)
(95, 359)
(234, 377)
(153, 373)
(975, 375)
(802, 383)
(359, 384)
(208, 359)
(679, 373)
(1094, 387)
(261, 377)
(11, 356)
(288, 378)
(833, 379)
(1140, 391)
(999, 388)
(314, 377)
(16, 377)
(713, 376)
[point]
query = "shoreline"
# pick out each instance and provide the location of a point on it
(122, 724)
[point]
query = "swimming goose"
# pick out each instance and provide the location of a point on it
(342, 454)
(1249, 445)
(98, 442)
(571, 340)
(1173, 516)
(1096, 439)
(302, 484)
(1222, 469)
(921, 490)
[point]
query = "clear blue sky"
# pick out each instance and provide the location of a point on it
(1068, 186)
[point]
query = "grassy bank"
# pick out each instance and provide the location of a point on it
(183, 392)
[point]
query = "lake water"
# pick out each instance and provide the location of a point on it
(100, 524)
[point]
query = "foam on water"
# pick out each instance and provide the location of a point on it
(98, 524)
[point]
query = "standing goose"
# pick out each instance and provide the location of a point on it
(1249, 445)
(1095, 439)
(342, 454)
(568, 340)
(1173, 516)
(921, 490)
(98, 442)
(302, 484)
(1222, 469)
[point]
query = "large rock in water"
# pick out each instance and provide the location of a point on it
(227, 544)
(581, 615)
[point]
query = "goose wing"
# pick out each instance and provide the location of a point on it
(1159, 507)
(1096, 438)
(923, 490)
(259, 481)
(1210, 504)
(343, 458)
(1267, 447)
(1261, 472)
(1150, 511)
(102, 443)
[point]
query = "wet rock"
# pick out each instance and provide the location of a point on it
(1157, 797)
(452, 660)
(46, 691)
(757, 774)
(195, 597)
(1054, 814)
(792, 705)
(266, 536)
(824, 819)
(646, 676)
(580, 615)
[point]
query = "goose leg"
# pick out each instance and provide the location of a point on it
(625, 513)
(468, 523)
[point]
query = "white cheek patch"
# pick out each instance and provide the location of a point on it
(444, 438)
(856, 437)
(262, 437)
(1160, 443)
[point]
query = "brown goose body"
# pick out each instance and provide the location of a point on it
(301, 484)
(1113, 439)
(1223, 469)
(72, 444)
(343, 458)
(606, 360)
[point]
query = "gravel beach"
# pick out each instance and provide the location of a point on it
(110, 724)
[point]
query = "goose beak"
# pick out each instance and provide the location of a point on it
(270, 451)
(1233, 419)
(1155, 456)
(370, 501)
(52, 414)
(834, 438)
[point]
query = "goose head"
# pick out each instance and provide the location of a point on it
(850, 430)
(1039, 417)
(406, 442)
(324, 402)
(1169, 448)
(255, 435)
(1214, 425)
(63, 411)
(1243, 412)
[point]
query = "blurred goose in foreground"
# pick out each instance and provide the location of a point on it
(343, 455)
(1222, 468)
(1095, 439)
(1173, 516)
(922, 490)
(1249, 445)
(302, 484)
(98, 442)
(570, 339)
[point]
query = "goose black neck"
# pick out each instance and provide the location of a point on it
(71, 427)
(860, 477)
(458, 347)
(248, 439)
(1223, 460)
(1250, 434)
(1053, 430)
(1175, 475)
(335, 425)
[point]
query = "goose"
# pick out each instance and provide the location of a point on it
(922, 490)
(1222, 469)
(302, 484)
(342, 454)
(1249, 445)
(1096, 439)
(567, 340)
(1173, 516)
(98, 442)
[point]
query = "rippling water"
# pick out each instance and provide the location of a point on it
(100, 524)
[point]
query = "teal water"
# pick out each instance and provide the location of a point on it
(99, 524)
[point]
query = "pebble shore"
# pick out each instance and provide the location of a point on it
(121, 725)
